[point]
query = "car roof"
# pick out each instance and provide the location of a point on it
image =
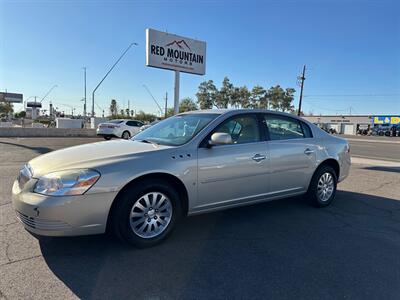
(240, 111)
(123, 120)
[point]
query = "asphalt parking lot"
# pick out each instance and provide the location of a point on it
(278, 250)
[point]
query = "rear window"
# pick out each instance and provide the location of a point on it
(306, 130)
(115, 121)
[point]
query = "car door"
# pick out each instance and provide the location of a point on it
(133, 127)
(234, 173)
(292, 154)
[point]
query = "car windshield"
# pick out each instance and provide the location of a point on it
(175, 131)
(115, 121)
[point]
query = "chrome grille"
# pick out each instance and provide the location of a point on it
(41, 224)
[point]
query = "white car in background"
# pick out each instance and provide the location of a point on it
(148, 125)
(120, 128)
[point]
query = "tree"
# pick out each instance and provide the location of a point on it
(258, 97)
(113, 108)
(21, 114)
(235, 97)
(6, 108)
(224, 95)
(127, 111)
(187, 104)
(244, 96)
(144, 117)
(281, 99)
(206, 94)
(287, 100)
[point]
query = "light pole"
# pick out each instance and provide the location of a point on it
(109, 71)
(52, 88)
(158, 105)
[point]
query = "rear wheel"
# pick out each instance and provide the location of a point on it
(145, 214)
(126, 135)
(107, 138)
(322, 189)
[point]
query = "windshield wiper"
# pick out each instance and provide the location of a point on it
(148, 142)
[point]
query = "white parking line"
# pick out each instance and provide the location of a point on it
(374, 162)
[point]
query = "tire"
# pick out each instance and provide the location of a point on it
(126, 135)
(128, 219)
(107, 138)
(315, 194)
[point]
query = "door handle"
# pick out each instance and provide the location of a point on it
(259, 157)
(308, 151)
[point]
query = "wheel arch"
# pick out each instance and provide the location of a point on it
(333, 163)
(126, 130)
(171, 179)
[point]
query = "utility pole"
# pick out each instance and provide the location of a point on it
(84, 81)
(302, 78)
(166, 105)
(109, 71)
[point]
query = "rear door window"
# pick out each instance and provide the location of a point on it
(283, 128)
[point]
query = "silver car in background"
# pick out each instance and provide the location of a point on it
(192, 163)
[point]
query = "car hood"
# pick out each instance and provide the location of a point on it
(90, 155)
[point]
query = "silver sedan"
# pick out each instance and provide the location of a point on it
(188, 164)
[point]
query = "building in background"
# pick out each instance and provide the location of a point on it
(352, 124)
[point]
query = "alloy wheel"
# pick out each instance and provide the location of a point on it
(151, 215)
(325, 187)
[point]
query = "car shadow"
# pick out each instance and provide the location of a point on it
(282, 249)
(39, 150)
(384, 169)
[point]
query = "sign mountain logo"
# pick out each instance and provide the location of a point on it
(178, 43)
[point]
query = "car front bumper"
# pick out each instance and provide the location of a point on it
(62, 216)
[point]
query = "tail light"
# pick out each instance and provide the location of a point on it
(348, 148)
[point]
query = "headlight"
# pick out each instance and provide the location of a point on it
(65, 183)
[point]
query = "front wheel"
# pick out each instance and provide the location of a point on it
(145, 214)
(322, 189)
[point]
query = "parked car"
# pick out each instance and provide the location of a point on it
(395, 130)
(188, 164)
(379, 130)
(119, 128)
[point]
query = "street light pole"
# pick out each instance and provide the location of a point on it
(155, 101)
(49, 91)
(109, 71)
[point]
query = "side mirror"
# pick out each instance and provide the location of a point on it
(220, 138)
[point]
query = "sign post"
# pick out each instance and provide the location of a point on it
(176, 53)
(176, 93)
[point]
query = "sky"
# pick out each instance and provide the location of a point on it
(350, 48)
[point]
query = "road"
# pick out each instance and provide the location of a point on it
(283, 249)
(385, 148)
